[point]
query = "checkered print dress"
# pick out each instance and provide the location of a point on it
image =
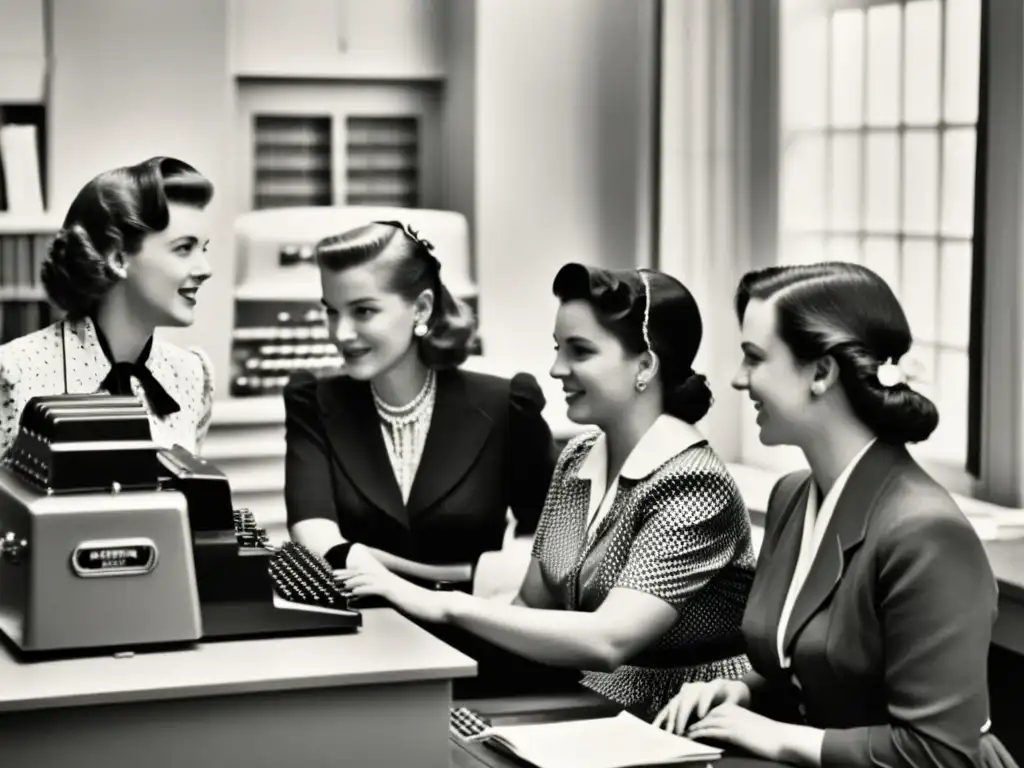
(682, 534)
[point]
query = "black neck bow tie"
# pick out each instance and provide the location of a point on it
(119, 380)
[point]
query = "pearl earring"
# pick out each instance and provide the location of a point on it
(641, 385)
(420, 329)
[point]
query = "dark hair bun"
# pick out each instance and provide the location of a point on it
(75, 275)
(896, 414)
(690, 399)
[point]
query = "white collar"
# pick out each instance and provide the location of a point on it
(666, 438)
(837, 487)
(82, 345)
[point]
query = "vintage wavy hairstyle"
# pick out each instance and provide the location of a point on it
(674, 328)
(451, 327)
(849, 313)
(114, 213)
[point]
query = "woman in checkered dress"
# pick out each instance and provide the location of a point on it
(642, 560)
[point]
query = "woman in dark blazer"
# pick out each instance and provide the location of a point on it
(404, 461)
(869, 621)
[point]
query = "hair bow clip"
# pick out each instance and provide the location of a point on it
(415, 235)
(891, 373)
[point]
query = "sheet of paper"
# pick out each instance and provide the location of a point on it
(611, 742)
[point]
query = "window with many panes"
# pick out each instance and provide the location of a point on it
(879, 114)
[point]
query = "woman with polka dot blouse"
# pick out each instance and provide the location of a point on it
(130, 256)
(642, 559)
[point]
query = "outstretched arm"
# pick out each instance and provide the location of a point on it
(626, 623)
(673, 556)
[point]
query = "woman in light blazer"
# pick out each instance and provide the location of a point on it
(870, 617)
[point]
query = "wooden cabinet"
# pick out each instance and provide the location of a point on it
(365, 39)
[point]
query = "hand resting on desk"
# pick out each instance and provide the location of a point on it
(696, 700)
(736, 726)
(717, 712)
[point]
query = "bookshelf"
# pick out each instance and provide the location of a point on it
(24, 242)
(25, 228)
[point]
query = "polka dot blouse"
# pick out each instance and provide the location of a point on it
(677, 529)
(31, 365)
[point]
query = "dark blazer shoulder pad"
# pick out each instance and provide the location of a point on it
(486, 391)
(301, 390)
(330, 392)
(525, 393)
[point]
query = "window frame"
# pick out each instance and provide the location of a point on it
(957, 475)
(997, 340)
(1001, 362)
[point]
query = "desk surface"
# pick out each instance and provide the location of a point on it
(387, 649)
(1007, 559)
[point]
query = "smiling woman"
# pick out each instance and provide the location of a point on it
(642, 558)
(129, 258)
(870, 617)
(404, 460)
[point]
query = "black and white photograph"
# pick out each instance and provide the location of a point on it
(512, 383)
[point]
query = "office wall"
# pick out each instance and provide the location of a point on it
(22, 51)
(548, 116)
(133, 79)
(458, 123)
(562, 113)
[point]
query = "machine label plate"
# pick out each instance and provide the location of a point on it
(114, 557)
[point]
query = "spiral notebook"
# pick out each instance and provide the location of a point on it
(623, 741)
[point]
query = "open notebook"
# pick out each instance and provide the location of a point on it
(623, 741)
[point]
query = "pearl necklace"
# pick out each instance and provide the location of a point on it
(405, 430)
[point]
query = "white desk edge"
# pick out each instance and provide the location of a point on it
(389, 648)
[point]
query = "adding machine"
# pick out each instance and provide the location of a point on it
(108, 541)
